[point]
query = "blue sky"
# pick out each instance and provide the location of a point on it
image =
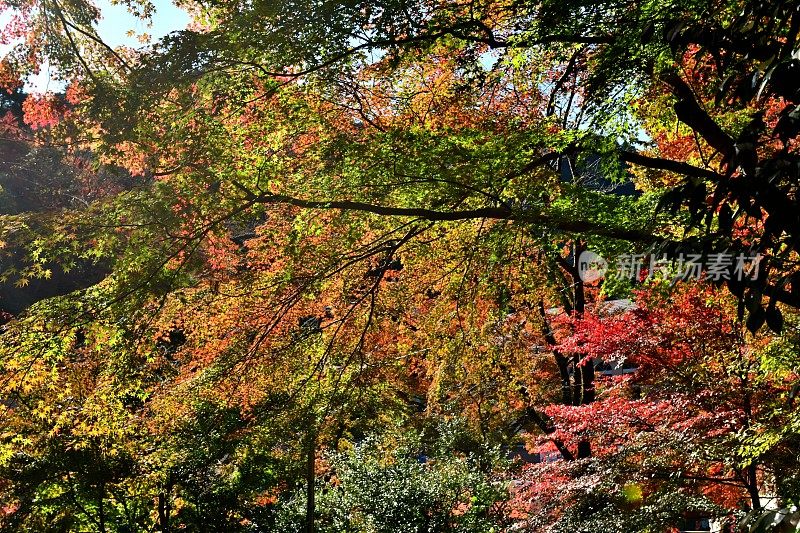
(117, 21)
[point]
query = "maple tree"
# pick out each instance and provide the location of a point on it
(683, 425)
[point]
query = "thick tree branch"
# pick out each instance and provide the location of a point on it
(693, 115)
(684, 169)
(495, 213)
(548, 429)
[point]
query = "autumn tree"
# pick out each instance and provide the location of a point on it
(682, 426)
(337, 215)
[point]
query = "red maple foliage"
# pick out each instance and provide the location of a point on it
(43, 110)
(694, 387)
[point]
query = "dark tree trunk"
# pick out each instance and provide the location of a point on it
(587, 378)
(752, 486)
(577, 382)
(561, 361)
(577, 377)
(311, 454)
(751, 472)
(164, 508)
(566, 381)
(163, 513)
(584, 449)
(582, 370)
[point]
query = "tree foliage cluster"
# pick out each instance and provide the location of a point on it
(327, 260)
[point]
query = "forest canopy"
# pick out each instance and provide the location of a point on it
(330, 266)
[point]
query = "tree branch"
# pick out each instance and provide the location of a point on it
(496, 213)
(693, 115)
(678, 167)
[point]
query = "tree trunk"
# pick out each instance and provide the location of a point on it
(562, 362)
(587, 378)
(311, 451)
(752, 486)
(751, 476)
(101, 511)
(164, 508)
(584, 449)
(577, 382)
(583, 370)
(566, 380)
